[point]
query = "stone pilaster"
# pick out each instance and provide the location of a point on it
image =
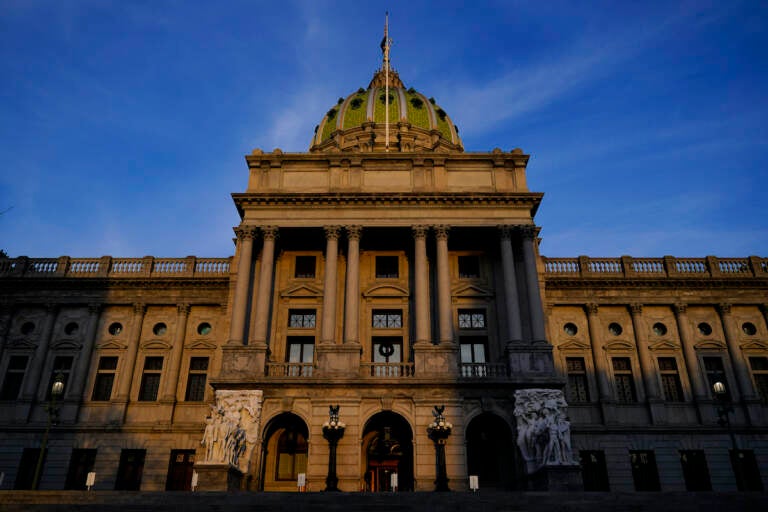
(172, 374)
(647, 366)
(32, 389)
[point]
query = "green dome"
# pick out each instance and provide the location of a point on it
(357, 122)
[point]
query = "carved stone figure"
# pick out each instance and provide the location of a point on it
(232, 429)
(543, 429)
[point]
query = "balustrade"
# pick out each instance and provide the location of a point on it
(733, 265)
(387, 370)
(290, 369)
(83, 266)
(648, 265)
(605, 265)
(668, 266)
(691, 265)
(483, 370)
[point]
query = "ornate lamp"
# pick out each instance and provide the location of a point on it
(333, 431)
(438, 431)
(52, 409)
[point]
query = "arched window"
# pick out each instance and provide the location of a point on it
(291, 455)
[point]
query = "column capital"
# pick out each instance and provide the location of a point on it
(331, 232)
(441, 232)
(245, 232)
(269, 232)
(724, 308)
(139, 308)
(419, 231)
(527, 232)
(680, 308)
(592, 308)
(636, 308)
(94, 308)
(505, 231)
(183, 309)
(353, 232)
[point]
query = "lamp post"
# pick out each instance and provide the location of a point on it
(52, 410)
(724, 410)
(333, 430)
(438, 431)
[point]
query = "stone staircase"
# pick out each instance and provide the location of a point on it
(122, 501)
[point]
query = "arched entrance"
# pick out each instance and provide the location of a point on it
(387, 449)
(491, 453)
(284, 452)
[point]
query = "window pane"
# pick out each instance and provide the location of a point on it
(107, 363)
(305, 267)
(102, 388)
(150, 384)
(198, 363)
(387, 267)
(466, 353)
(294, 353)
(308, 353)
(195, 387)
(469, 267)
(479, 352)
(153, 363)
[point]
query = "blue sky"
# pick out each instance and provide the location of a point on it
(123, 124)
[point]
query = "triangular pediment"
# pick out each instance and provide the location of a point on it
(21, 343)
(664, 345)
(619, 345)
(574, 345)
(200, 345)
(385, 290)
(65, 345)
(754, 345)
(710, 344)
(155, 345)
(301, 290)
(111, 345)
(471, 290)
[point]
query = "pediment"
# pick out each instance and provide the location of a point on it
(301, 290)
(574, 345)
(385, 290)
(663, 345)
(754, 345)
(22, 343)
(470, 290)
(200, 345)
(155, 345)
(65, 345)
(710, 344)
(111, 345)
(619, 345)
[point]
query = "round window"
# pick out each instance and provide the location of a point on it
(705, 328)
(659, 329)
(749, 328)
(115, 328)
(204, 329)
(570, 329)
(160, 329)
(71, 328)
(27, 328)
(615, 329)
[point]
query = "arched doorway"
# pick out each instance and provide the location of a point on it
(387, 449)
(284, 452)
(491, 453)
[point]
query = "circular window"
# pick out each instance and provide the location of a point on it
(705, 328)
(659, 329)
(160, 329)
(749, 328)
(71, 328)
(204, 328)
(115, 328)
(27, 328)
(570, 329)
(615, 329)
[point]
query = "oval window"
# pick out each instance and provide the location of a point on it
(659, 329)
(27, 328)
(570, 329)
(71, 328)
(749, 328)
(705, 328)
(115, 328)
(615, 329)
(204, 329)
(160, 329)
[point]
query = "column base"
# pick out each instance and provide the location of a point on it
(218, 477)
(526, 359)
(338, 360)
(243, 362)
(442, 360)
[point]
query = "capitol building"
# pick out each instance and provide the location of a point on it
(386, 321)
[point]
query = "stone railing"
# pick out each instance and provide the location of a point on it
(387, 370)
(668, 266)
(290, 369)
(108, 266)
(483, 370)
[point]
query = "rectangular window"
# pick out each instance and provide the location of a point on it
(625, 383)
(62, 365)
(594, 470)
(644, 470)
(473, 356)
(14, 377)
(305, 267)
(759, 367)
(80, 465)
(715, 371)
(670, 380)
(387, 267)
(198, 374)
(105, 378)
(302, 318)
(469, 267)
(387, 350)
(695, 470)
(578, 390)
(150, 379)
(472, 319)
(301, 350)
(387, 319)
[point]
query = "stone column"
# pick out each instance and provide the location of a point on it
(245, 235)
(128, 367)
(644, 354)
(698, 383)
(172, 374)
(6, 312)
(512, 301)
(352, 311)
(601, 362)
(34, 377)
(264, 293)
(421, 285)
(328, 333)
(532, 281)
(737, 357)
(445, 318)
(82, 366)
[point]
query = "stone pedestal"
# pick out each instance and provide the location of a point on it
(218, 477)
(562, 478)
(242, 362)
(338, 360)
(436, 360)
